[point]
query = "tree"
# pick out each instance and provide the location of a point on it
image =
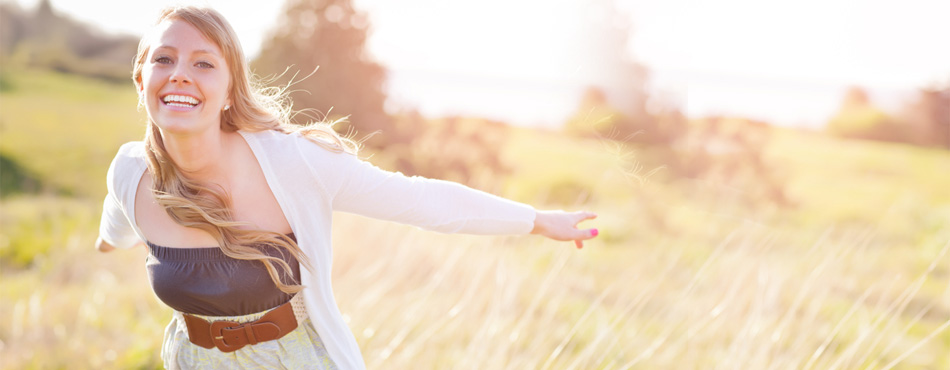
(328, 36)
(46, 39)
(611, 68)
(614, 104)
(858, 118)
(928, 117)
(13, 27)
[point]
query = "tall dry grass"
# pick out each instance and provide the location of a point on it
(761, 298)
(753, 301)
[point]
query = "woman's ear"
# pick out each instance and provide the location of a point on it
(140, 89)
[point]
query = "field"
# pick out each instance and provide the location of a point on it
(852, 272)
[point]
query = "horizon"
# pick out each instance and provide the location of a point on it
(699, 59)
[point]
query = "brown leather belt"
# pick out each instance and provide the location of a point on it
(231, 336)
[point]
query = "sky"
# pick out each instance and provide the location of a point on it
(786, 62)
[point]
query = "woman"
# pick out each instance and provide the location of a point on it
(232, 200)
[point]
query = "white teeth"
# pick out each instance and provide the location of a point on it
(168, 99)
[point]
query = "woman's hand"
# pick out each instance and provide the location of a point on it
(560, 225)
(103, 247)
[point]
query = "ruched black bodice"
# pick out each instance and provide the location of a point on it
(205, 281)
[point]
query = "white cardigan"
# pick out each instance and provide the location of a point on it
(310, 183)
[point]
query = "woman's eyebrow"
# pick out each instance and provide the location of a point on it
(199, 51)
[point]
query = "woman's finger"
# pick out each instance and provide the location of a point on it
(588, 234)
(585, 235)
(583, 216)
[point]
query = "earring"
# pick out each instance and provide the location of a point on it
(227, 106)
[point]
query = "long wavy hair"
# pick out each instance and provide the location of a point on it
(254, 108)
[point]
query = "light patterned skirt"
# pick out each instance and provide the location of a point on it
(299, 349)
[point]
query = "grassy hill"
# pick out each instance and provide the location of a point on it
(852, 272)
(65, 129)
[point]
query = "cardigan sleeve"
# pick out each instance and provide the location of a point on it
(115, 226)
(356, 186)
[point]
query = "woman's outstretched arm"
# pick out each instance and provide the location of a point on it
(560, 225)
(356, 186)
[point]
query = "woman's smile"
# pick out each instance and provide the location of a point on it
(185, 80)
(180, 102)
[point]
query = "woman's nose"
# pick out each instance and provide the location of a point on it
(179, 75)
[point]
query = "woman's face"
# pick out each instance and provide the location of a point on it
(185, 80)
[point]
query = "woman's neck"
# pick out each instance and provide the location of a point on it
(200, 156)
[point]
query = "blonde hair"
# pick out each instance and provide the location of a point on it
(253, 108)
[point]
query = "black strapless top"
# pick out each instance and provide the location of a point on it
(205, 281)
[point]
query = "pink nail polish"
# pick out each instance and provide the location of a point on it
(593, 232)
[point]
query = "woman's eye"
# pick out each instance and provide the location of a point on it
(204, 65)
(163, 60)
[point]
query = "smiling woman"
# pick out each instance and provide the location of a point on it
(235, 205)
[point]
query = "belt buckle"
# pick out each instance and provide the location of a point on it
(217, 336)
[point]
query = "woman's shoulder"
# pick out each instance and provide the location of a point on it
(129, 161)
(132, 149)
(268, 139)
(273, 142)
(130, 154)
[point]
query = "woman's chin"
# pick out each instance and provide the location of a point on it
(183, 127)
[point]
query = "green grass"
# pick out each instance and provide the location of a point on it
(66, 129)
(35, 227)
(687, 273)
